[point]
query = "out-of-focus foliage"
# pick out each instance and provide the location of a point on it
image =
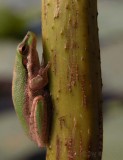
(11, 24)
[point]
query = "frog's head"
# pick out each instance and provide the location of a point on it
(27, 50)
(28, 42)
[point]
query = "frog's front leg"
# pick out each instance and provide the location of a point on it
(41, 80)
(39, 121)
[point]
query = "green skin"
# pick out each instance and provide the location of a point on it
(28, 90)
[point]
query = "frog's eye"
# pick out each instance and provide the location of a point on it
(23, 49)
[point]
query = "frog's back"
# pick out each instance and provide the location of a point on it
(18, 89)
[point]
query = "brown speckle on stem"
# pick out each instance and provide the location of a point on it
(62, 121)
(48, 3)
(72, 75)
(57, 97)
(57, 10)
(61, 32)
(66, 47)
(70, 149)
(53, 26)
(80, 146)
(58, 147)
(84, 97)
(54, 62)
(67, 6)
(52, 49)
(45, 11)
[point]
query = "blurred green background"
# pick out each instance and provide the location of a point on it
(19, 16)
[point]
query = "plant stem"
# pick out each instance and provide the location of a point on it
(71, 44)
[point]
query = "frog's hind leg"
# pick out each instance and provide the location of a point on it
(39, 121)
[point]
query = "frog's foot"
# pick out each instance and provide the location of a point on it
(43, 70)
(41, 80)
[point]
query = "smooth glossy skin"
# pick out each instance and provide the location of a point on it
(28, 90)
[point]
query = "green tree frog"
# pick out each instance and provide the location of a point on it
(29, 91)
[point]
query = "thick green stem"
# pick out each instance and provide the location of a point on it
(70, 43)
